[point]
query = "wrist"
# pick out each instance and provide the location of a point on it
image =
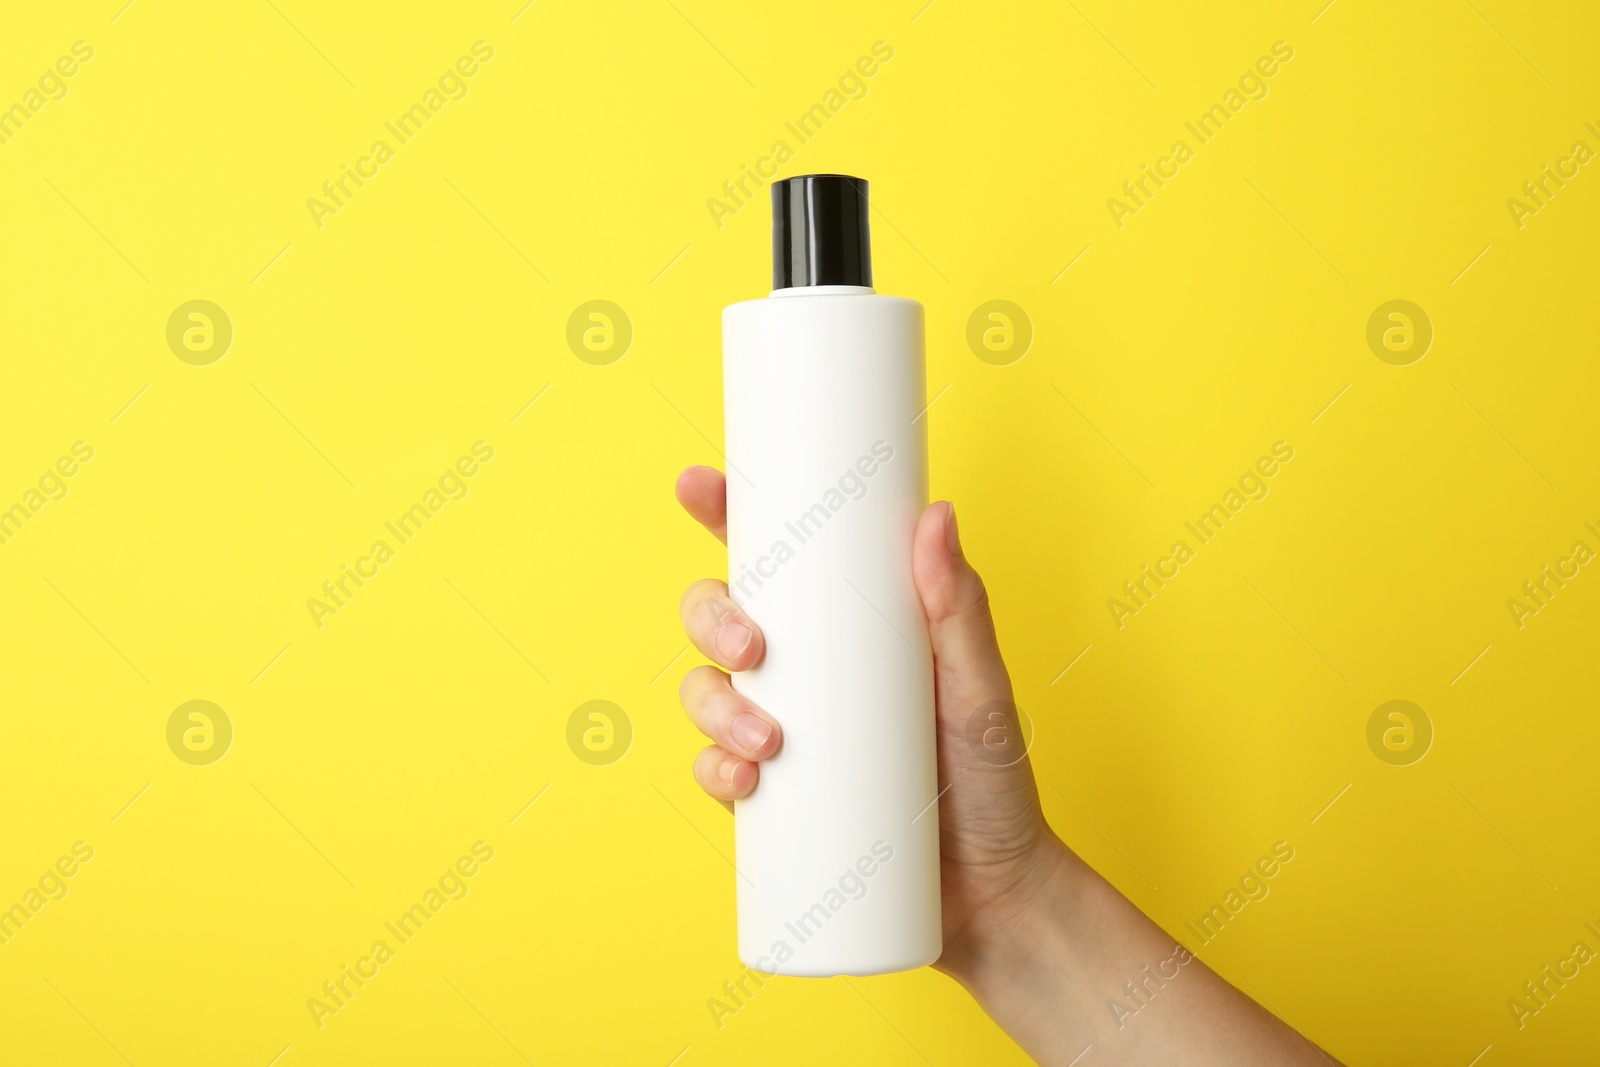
(1021, 927)
(1029, 967)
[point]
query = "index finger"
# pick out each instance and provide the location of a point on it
(703, 492)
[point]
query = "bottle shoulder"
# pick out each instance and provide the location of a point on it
(860, 302)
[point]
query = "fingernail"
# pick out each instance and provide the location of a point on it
(951, 536)
(730, 767)
(733, 637)
(751, 731)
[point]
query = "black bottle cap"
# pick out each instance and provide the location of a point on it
(819, 231)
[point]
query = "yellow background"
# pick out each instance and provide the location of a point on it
(426, 314)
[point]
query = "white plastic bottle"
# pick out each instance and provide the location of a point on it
(838, 847)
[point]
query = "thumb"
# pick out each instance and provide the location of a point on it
(994, 815)
(966, 652)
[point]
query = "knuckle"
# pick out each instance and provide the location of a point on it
(687, 600)
(721, 706)
(709, 770)
(694, 684)
(979, 602)
(705, 768)
(703, 589)
(974, 601)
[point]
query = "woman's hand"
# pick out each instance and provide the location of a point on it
(1060, 959)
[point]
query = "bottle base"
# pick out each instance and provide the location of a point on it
(858, 969)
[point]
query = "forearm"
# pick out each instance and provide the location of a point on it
(1075, 965)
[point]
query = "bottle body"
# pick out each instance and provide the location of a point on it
(838, 847)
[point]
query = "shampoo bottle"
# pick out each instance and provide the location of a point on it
(837, 849)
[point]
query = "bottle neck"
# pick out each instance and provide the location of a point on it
(825, 290)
